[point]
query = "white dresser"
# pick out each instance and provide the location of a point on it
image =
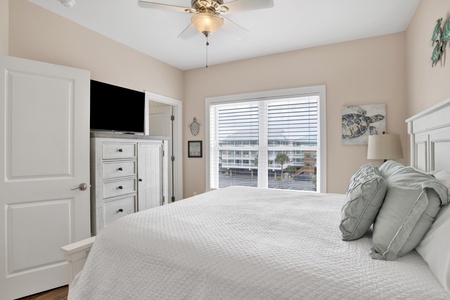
(128, 174)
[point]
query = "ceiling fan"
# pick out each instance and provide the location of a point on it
(208, 14)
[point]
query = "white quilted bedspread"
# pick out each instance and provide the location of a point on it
(245, 243)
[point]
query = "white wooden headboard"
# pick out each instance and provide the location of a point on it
(430, 138)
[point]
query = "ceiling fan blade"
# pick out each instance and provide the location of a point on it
(245, 5)
(188, 32)
(148, 4)
(237, 31)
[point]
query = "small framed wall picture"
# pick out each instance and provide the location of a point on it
(194, 148)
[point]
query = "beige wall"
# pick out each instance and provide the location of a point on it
(38, 34)
(368, 71)
(4, 26)
(426, 85)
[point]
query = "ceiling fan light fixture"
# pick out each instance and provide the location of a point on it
(207, 23)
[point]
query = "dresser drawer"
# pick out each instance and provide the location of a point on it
(118, 208)
(118, 169)
(113, 150)
(119, 187)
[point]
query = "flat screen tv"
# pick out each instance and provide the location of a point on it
(116, 109)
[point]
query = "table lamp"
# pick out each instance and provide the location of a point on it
(384, 146)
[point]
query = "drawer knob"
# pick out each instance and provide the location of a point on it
(120, 150)
(120, 187)
(120, 210)
(120, 169)
(140, 179)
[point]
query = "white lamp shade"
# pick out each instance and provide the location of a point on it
(207, 23)
(384, 146)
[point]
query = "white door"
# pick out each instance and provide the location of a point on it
(150, 175)
(44, 157)
(161, 124)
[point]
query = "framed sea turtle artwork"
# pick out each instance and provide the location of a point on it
(360, 121)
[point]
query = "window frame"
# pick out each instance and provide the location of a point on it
(318, 90)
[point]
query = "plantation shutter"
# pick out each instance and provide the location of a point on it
(233, 127)
(246, 137)
(238, 125)
(294, 121)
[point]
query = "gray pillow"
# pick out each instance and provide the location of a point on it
(390, 167)
(365, 195)
(412, 201)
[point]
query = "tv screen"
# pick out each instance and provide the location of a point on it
(116, 109)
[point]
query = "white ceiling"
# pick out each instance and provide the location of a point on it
(289, 25)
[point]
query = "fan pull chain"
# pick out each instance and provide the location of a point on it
(207, 44)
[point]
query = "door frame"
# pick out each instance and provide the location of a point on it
(177, 111)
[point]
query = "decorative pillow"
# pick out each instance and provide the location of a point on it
(365, 195)
(390, 167)
(412, 201)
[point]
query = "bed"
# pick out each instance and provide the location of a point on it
(247, 243)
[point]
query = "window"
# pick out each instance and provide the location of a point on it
(271, 139)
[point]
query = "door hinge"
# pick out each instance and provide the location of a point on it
(173, 199)
(172, 158)
(172, 118)
(163, 200)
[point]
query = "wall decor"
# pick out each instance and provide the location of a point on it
(194, 148)
(440, 37)
(194, 127)
(360, 121)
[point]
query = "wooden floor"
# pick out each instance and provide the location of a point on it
(55, 294)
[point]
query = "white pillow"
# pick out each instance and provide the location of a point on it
(444, 177)
(435, 246)
(441, 174)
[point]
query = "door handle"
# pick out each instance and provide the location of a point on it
(81, 187)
